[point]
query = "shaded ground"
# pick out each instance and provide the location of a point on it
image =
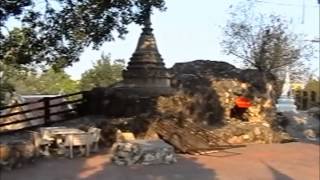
(303, 126)
(273, 161)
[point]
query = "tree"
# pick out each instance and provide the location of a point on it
(5, 88)
(8, 72)
(12, 8)
(20, 47)
(49, 82)
(264, 42)
(57, 31)
(28, 81)
(103, 73)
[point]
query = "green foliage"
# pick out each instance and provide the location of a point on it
(103, 73)
(49, 82)
(313, 85)
(57, 31)
(28, 81)
(11, 8)
(7, 73)
(264, 42)
(5, 88)
(21, 47)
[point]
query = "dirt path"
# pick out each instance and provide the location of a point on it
(256, 162)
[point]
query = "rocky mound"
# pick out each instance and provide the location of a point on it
(205, 92)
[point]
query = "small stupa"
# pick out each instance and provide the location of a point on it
(146, 72)
(286, 100)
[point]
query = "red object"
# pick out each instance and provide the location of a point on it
(243, 102)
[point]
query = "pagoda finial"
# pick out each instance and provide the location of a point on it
(147, 22)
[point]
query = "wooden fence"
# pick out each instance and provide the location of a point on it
(9, 121)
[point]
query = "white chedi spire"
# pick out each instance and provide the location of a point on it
(286, 89)
(286, 101)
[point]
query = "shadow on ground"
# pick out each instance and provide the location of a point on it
(261, 161)
(278, 175)
(98, 167)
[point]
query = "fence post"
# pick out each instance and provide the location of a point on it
(46, 102)
(84, 105)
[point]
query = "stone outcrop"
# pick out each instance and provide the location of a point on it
(205, 92)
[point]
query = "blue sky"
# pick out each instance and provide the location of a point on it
(191, 30)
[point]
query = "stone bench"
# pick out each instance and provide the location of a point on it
(143, 152)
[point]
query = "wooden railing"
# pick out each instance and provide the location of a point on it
(13, 121)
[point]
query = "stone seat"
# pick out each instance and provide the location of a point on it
(143, 152)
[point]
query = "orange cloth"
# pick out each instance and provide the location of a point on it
(243, 102)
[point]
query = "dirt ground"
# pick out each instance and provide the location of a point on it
(257, 162)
